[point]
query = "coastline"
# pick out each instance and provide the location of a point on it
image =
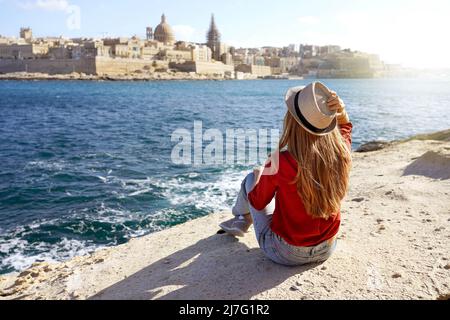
(392, 245)
(158, 76)
(163, 76)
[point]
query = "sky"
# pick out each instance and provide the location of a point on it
(409, 32)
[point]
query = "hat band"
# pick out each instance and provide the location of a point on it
(305, 122)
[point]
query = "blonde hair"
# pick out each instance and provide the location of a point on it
(324, 164)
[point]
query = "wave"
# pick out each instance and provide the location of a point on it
(191, 188)
(180, 198)
(18, 255)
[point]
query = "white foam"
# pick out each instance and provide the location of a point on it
(203, 195)
(139, 192)
(180, 191)
(103, 179)
(46, 165)
(63, 250)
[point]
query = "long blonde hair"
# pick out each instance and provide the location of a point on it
(324, 164)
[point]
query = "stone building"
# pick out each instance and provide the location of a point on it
(259, 71)
(20, 51)
(308, 51)
(326, 50)
(124, 47)
(180, 52)
(60, 52)
(150, 50)
(227, 58)
(346, 64)
(4, 40)
(164, 32)
(26, 34)
(201, 53)
(149, 33)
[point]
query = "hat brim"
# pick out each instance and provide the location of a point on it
(290, 102)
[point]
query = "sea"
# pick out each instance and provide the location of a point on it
(87, 165)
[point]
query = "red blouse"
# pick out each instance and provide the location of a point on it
(290, 219)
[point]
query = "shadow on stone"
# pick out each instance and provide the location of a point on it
(219, 267)
(435, 165)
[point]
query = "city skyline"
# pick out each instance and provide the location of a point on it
(403, 32)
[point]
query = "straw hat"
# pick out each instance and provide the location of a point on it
(308, 106)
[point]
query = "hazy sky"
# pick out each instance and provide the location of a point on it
(411, 32)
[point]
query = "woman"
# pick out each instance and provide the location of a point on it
(294, 201)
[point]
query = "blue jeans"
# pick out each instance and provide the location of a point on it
(274, 247)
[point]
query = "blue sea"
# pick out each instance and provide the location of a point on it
(84, 165)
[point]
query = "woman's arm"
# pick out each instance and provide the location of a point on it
(265, 184)
(335, 103)
(269, 169)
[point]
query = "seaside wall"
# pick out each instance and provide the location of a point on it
(205, 68)
(213, 68)
(94, 66)
(260, 71)
(59, 66)
(120, 66)
(108, 66)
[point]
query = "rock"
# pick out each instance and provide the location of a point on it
(20, 281)
(447, 267)
(396, 275)
(444, 297)
(47, 268)
(24, 273)
(373, 146)
(8, 293)
(358, 199)
(295, 288)
(75, 295)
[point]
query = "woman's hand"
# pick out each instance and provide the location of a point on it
(335, 103)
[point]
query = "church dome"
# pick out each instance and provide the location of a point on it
(164, 32)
